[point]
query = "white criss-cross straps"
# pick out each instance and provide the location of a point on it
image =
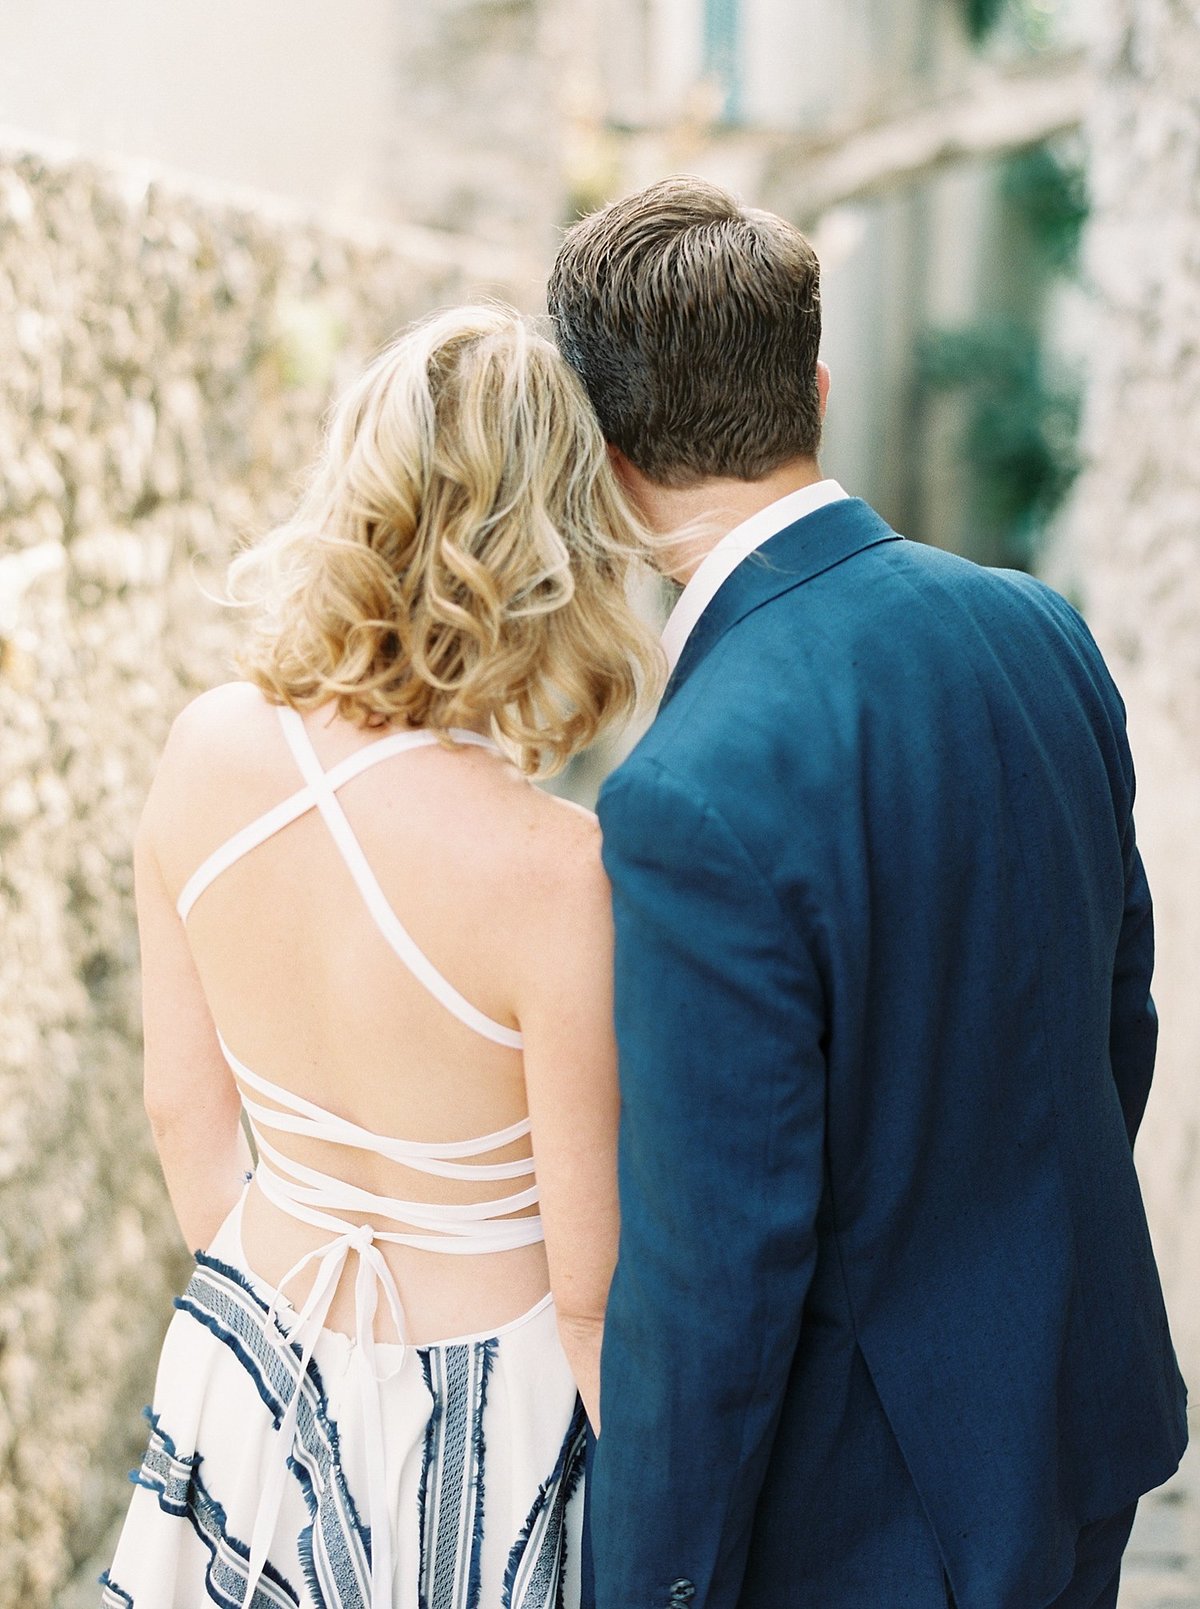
(313, 1197)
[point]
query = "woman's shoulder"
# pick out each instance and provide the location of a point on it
(574, 833)
(551, 837)
(541, 855)
(223, 729)
(557, 904)
(219, 717)
(216, 737)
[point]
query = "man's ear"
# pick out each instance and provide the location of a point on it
(824, 381)
(644, 496)
(632, 480)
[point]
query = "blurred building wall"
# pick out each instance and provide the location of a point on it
(164, 364)
(478, 111)
(1136, 548)
(439, 112)
(296, 97)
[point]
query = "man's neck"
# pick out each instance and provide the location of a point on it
(691, 520)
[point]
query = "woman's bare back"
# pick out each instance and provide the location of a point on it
(306, 991)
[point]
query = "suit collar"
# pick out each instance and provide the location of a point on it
(733, 548)
(804, 549)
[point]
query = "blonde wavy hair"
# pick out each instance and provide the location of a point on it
(463, 553)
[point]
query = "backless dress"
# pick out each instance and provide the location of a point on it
(291, 1465)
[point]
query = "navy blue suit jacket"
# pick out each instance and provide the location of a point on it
(886, 1305)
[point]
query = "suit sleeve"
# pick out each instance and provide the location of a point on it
(1133, 1021)
(720, 1021)
(1133, 1025)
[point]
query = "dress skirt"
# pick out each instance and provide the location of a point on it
(484, 1443)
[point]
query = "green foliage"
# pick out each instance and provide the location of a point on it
(1035, 23)
(1020, 430)
(1046, 186)
(1019, 426)
(981, 16)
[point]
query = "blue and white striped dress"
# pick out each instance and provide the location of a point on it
(484, 1438)
(290, 1466)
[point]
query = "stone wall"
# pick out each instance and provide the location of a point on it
(164, 364)
(479, 92)
(1137, 546)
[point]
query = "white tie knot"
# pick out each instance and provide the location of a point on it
(362, 1237)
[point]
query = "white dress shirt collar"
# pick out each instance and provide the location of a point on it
(716, 567)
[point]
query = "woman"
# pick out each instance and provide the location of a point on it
(366, 929)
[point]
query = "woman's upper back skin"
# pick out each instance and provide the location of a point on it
(304, 988)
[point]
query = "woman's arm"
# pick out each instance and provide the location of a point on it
(191, 1098)
(571, 1074)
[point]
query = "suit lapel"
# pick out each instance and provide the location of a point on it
(806, 549)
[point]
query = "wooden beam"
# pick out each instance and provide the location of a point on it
(993, 111)
(994, 114)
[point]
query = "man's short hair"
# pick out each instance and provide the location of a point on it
(695, 324)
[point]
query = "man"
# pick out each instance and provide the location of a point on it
(886, 1329)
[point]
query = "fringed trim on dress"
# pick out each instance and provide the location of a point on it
(335, 1549)
(537, 1564)
(451, 1496)
(175, 1480)
(113, 1596)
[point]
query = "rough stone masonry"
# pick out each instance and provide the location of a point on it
(164, 365)
(1137, 526)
